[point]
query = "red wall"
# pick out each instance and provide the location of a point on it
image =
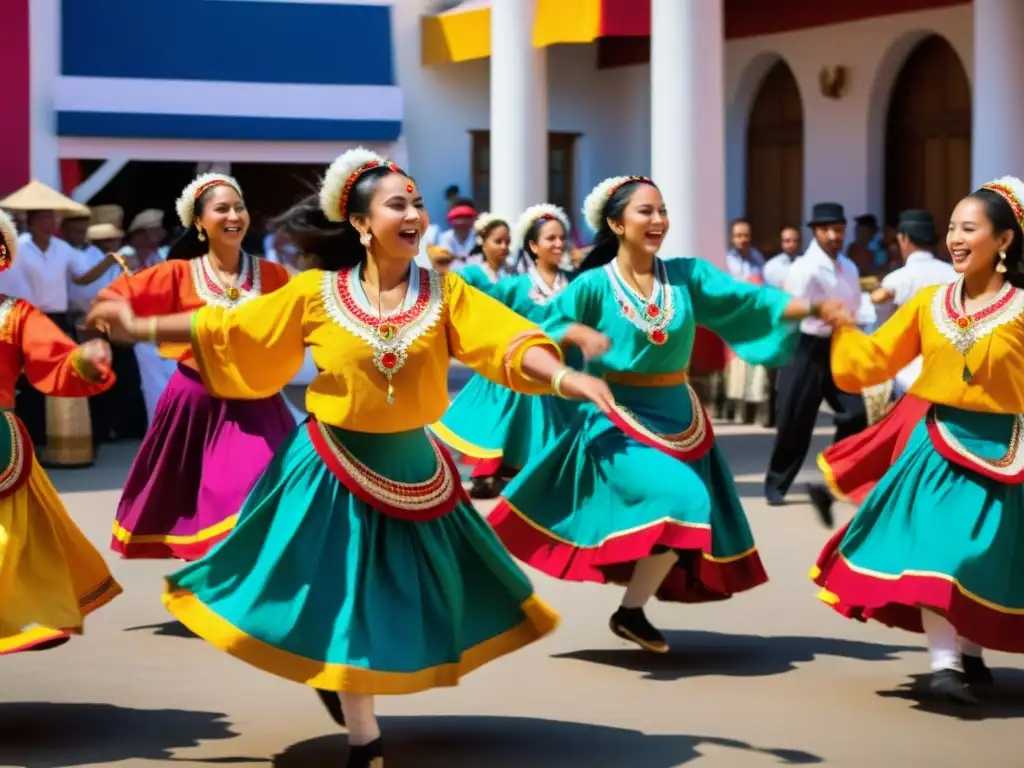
(15, 128)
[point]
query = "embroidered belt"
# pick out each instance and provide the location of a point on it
(691, 444)
(16, 453)
(434, 497)
(1009, 469)
(672, 379)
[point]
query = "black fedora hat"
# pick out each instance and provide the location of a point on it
(919, 224)
(826, 213)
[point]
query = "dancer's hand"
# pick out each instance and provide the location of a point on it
(115, 318)
(96, 352)
(834, 312)
(591, 343)
(580, 386)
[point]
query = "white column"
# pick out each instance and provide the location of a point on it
(44, 69)
(998, 104)
(688, 124)
(519, 110)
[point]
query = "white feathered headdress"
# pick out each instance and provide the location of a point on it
(531, 215)
(485, 220)
(8, 241)
(186, 204)
(593, 205)
(342, 174)
(1011, 189)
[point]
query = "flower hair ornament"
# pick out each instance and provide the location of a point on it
(186, 204)
(485, 220)
(534, 214)
(8, 241)
(1011, 189)
(343, 174)
(593, 205)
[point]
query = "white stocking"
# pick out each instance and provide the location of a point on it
(969, 648)
(359, 718)
(647, 577)
(942, 641)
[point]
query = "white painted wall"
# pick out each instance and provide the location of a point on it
(844, 139)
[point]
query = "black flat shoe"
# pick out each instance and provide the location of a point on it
(484, 488)
(631, 624)
(976, 672)
(949, 685)
(366, 756)
(332, 702)
(822, 501)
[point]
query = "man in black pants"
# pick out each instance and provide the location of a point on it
(821, 273)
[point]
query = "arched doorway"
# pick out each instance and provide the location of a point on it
(928, 134)
(775, 158)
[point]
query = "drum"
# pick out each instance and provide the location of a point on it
(68, 433)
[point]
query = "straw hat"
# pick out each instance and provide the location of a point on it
(151, 218)
(36, 196)
(108, 214)
(104, 231)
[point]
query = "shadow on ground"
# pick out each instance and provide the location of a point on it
(52, 735)
(703, 654)
(514, 742)
(170, 628)
(1003, 701)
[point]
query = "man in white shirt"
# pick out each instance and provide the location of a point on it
(823, 272)
(777, 268)
(746, 386)
(460, 240)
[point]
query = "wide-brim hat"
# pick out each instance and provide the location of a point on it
(151, 218)
(823, 214)
(108, 214)
(36, 196)
(918, 224)
(104, 231)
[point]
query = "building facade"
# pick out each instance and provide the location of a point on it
(736, 107)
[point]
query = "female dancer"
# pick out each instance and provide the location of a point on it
(491, 425)
(202, 454)
(641, 494)
(933, 547)
(359, 530)
(492, 245)
(51, 577)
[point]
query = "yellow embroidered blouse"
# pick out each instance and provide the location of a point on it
(254, 350)
(989, 345)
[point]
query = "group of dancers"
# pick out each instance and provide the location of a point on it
(309, 544)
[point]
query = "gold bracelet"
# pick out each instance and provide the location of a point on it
(151, 331)
(557, 379)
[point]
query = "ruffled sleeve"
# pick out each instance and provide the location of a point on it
(53, 363)
(153, 291)
(490, 338)
(749, 318)
(860, 360)
(252, 351)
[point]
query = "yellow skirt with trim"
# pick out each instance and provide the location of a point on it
(51, 576)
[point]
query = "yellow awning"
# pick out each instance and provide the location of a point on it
(464, 32)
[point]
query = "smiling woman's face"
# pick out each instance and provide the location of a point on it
(644, 222)
(971, 240)
(397, 218)
(224, 217)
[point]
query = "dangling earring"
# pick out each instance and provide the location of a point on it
(365, 239)
(1001, 266)
(202, 235)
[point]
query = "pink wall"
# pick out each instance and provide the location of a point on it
(15, 129)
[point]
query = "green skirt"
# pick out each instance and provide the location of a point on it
(359, 565)
(614, 490)
(943, 529)
(490, 422)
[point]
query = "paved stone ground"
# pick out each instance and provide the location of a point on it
(769, 678)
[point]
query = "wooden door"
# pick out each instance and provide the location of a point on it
(775, 159)
(928, 135)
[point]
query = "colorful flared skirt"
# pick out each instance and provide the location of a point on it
(611, 491)
(199, 459)
(51, 576)
(359, 565)
(943, 530)
(495, 428)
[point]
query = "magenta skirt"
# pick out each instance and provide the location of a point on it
(199, 460)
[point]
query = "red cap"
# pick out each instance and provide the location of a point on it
(461, 212)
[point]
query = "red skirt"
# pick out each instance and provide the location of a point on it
(852, 467)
